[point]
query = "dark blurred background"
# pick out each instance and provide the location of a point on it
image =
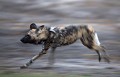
(17, 15)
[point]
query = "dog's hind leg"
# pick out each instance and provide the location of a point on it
(105, 55)
(96, 46)
(99, 56)
(101, 50)
(90, 39)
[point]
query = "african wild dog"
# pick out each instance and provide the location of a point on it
(53, 37)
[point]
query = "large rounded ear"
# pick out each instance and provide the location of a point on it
(33, 26)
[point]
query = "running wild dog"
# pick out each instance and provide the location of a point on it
(53, 37)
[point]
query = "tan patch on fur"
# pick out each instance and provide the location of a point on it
(91, 28)
(71, 38)
(42, 34)
(61, 27)
(79, 33)
(32, 33)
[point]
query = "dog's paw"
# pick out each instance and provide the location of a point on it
(23, 67)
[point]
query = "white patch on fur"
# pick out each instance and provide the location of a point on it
(97, 40)
(52, 29)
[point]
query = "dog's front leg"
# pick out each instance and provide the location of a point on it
(44, 51)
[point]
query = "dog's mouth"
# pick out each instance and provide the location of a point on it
(27, 39)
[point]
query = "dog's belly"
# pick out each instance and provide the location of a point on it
(65, 41)
(62, 43)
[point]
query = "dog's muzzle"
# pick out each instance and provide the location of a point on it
(26, 39)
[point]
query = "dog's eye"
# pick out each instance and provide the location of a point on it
(37, 30)
(40, 31)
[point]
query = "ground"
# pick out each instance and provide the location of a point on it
(71, 61)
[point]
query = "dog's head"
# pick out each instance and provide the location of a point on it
(36, 34)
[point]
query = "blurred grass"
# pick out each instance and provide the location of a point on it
(29, 74)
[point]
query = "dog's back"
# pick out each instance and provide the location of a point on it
(66, 35)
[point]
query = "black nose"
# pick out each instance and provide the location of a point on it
(25, 39)
(22, 40)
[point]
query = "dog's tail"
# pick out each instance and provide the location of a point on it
(90, 39)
